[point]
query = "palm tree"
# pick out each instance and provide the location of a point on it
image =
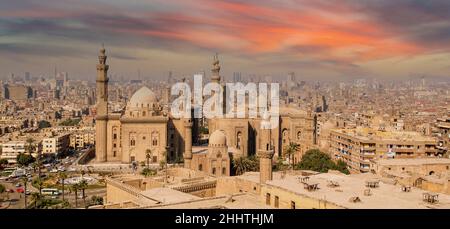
(148, 155)
(75, 189)
(25, 181)
(30, 145)
(38, 184)
(62, 177)
(290, 150)
(36, 197)
(83, 185)
(242, 165)
(2, 189)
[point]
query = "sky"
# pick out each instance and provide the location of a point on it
(330, 40)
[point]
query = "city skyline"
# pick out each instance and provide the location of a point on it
(317, 40)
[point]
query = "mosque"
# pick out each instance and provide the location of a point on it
(146, 128)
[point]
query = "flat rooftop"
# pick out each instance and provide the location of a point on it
(413, 161)
(168, 195)
(386, 196)
(366, 133)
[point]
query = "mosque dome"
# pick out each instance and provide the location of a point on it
(143, 98)
(218, 138)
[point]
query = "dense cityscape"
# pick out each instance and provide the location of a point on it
(362, 114)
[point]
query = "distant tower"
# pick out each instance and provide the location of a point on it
(187, 143)
(102, 108)
(265, 152)
(215, 78)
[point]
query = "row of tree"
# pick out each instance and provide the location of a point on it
(313, 159)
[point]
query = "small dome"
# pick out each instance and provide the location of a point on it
(218, 138)
(144, 97)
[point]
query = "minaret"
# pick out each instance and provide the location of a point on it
(187, 143)
(215, 78)
(101, 119)
(265, 152)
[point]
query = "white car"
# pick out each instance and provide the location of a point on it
(54, 171)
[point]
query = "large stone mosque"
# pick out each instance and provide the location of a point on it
(146, 127)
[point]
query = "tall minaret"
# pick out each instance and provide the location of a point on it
(102, 108)
(215, 78)
(187, 143)
(265, 152)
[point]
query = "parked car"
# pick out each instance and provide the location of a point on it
(20, 190)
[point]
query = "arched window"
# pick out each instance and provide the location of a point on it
(155, 138)
(285, 136)
(299, 135)
(238, 140)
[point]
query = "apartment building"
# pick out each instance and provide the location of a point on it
(81, 139)
(55, 144)
(357, 147)
(11, 149)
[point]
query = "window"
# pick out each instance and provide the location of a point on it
(114, 145)
(238, 140)
(155, 158)
(114, 153)
(143, 113)
(214, 171)
(143, 138)
(155, 137)
(132, 142)
(200, 167)
(267, 198)
(114, 136)
(292, 205)
(224, 170)
(277, 200)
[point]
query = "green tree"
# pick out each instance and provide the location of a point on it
(30, 145)
(2, 189)
(38, 183)
(3, 163)
(25, 182)
(24, 159)
(62, 177)
(75, 189)
(290, 150)
(82, 185)
(36, 197)
(97, 200)
(316, 160)
(44, 124)
(148, 172)
(280, 165)
(245, 164)
(70, 122)
(342, 167)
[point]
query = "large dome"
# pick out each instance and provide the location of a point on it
(218, 138)
(144, 97)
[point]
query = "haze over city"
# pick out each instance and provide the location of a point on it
(320, 40)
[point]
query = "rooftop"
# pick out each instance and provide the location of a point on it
(413, 161)
(383, 197)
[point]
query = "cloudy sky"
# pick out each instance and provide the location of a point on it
(316, 39)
